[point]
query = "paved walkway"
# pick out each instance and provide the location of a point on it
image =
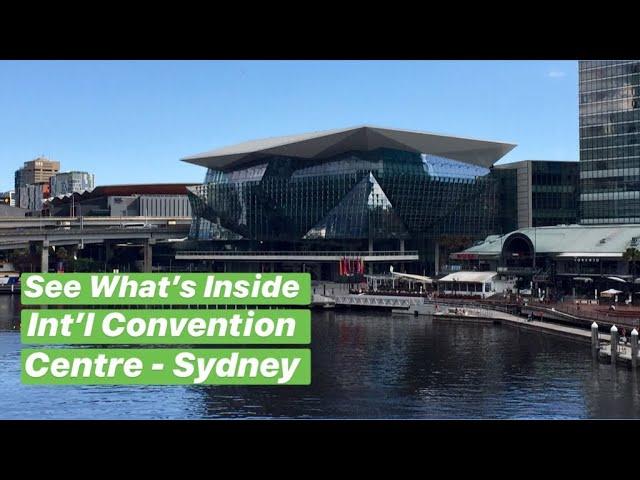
(623, 315)
(574, 333)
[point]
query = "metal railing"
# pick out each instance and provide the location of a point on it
(93, 230)
(303, 253)
(628, 319)
(518, 270)
(449, 302)
(376, 300)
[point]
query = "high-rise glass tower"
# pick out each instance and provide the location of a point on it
(609, 141)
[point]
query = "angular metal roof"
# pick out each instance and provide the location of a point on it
(332, 142)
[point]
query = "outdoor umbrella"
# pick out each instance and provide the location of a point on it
(610, 293)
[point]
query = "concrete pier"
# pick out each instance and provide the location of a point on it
(148, 256)
(44, 257)
(108, 250)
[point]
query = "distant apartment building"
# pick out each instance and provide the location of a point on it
(8, 198)
(32, 196)
(69, 182)
(609, 141)
(36, 171)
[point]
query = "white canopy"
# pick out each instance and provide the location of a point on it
(411, 276)
(610, 292)
(469, 277)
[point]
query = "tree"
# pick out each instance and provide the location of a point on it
(62, 254)
(24, 260)
(632, 255)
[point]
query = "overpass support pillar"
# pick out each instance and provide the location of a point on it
(108, 251)
(44, 257)
(148, 255)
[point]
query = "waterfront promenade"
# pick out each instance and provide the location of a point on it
(504, 318)
(549, 318)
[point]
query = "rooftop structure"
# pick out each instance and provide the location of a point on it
(364, 138)
(564, 241)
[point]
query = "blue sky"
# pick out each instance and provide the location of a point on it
(131, 121)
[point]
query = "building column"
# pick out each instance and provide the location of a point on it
(147, 250)
(44, 257)
(436, 257)
(402, 245)
(370, 245)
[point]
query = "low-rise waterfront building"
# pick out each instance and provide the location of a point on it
(473, 284)
(566, 258)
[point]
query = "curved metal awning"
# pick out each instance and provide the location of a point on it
(617, 279)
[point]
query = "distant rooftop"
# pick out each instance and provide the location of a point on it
(127, 190)
(520, 162)
(570, 239)
(8, 211)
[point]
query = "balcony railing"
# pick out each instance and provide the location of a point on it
(518, 270)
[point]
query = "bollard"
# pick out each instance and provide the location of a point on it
(614, 345)
(595, 342)
(634, 348)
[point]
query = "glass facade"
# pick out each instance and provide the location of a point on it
(609, 141)
(538, 193)
(554, 198)
(376, 195)
(69, 182)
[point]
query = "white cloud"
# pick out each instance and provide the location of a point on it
(556, 74)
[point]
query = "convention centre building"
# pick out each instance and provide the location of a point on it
(343, 202)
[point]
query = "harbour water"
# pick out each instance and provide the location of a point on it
(364, 365)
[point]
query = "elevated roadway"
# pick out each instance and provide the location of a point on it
(24, 232)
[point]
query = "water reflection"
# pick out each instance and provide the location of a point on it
(365, 365)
